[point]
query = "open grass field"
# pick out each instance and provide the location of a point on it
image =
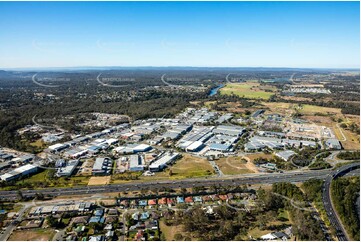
(39, 143)
(187, 167)
(56, 182)
(99, 180)
(252, 157)
(236, 108)
(312, 109)
(306, 110)
(251, 90)
(233, 166)
(256, 233)
(281, 220)
(352, 140)
(107, 202)
(32, 235)
(278, 107)
(170, 231)
(209, 103)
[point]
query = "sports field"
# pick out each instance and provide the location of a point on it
(251, 90)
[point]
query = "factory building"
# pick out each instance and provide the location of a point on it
(60, 163)
(260, 142)
(257, 113)
(224, 118)
(75, 153)
(80, 139)
(201, 134)
(136, 163)
(132, 148)
(58, 147)
(19, 172)
(272, 134)
(195, 146)
(254, 146)
(156, 140)
(102, 166)
(163, 161)
(333, 144)
(68, 169)
(229, 130)
(172, 135)
(220, 147)
(285, 155)
(141, 148)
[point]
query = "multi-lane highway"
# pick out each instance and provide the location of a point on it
(184, 183)
(326, 197)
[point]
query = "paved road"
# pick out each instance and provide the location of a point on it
(343, 136)
(296, 176)
(326, 197)
(12, 226)
(60, 235)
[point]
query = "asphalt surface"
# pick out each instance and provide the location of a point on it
(184, 183)
(7, 232)
(326, 197)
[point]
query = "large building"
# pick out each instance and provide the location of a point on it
(200, 134)
(102, 166)
(285, 155)
(260, 142)
(20, 172)
(220, 147)
(229, 130)
(333, 144)
(58, 147)
(68, 169)
(163, 161)
(195, 146)
(136, 163)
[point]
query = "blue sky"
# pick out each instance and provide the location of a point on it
(235, 34)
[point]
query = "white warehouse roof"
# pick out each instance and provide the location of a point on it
(195, 145)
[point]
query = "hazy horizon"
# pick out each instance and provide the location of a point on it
(170, 67)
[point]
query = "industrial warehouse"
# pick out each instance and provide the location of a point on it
(153, 145)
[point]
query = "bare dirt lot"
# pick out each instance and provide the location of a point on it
(235, 165)
(32, 235)
(86, 168)
(99, 180)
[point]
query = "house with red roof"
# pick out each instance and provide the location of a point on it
(170, 201)
(206, 198)
(162, 201)
(139, 236)
(223, 197)
(188, 200)
(152, 202)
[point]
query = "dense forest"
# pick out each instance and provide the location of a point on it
(349, 155)
(138, 93)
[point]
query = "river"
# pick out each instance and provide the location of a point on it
(214, 90)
